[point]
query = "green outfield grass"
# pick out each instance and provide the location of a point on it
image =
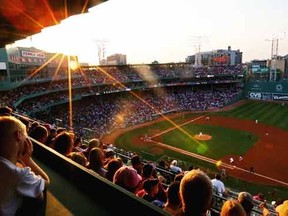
(269, 113)
(225, 141)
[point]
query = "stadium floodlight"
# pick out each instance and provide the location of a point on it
(198, 42)
(274, 55)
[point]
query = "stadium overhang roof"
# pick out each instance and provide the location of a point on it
(22, 18)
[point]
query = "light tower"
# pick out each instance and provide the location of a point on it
(198, 58)
(101, 46)
(198, 41)
(274, 55)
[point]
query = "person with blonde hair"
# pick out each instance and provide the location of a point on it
(96, 161)
(20, 177)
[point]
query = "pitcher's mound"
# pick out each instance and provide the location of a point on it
(203, 137)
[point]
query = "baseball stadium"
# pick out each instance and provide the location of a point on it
(202, 117)
(211, 113)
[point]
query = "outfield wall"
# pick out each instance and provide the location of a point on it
(275, 91)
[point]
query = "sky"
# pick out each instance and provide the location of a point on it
(169, 30)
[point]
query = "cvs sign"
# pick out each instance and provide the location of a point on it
(255, 95)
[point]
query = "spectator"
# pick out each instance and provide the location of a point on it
(19, 182)
(196, 193)
(109, 155)
(39, 133)
(179, 176)
(112, 166)
(96, 161)
(77, 145)
(128, 178)
(6, 111)
(174, 167)
(26, 122)
(63, 143)
(151, 189)
(246, 200)
(150, 172)
(91, 144)
(78, 157)
(218, 185)
(137, 163)
(173, 203)
(282, 209)
(50, 139)
(232, 207)
(259, 197)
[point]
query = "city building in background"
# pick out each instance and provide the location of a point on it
(116, 59)
(219, 57)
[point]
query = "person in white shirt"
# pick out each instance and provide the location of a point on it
(20, 176)
(218, 185)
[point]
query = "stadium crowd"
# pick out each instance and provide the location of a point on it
(106, 103)
(184, 192)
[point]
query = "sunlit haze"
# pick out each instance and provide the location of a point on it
(169, 30)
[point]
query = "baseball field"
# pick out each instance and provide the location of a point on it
(253, 133)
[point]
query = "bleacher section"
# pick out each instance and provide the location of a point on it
(82, 192)
(104, 197)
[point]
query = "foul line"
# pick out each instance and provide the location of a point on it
(213, 161)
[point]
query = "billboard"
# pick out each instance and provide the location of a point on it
(280, 97)
(255, 95)
(224, 59)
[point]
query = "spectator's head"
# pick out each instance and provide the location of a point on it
(78, 157)
(96, 159)
(94, 143)
(246, 200)
(218, 176)
(151, 186)
(282, 209)
(39, 133)
(5, 111)
(232, 207)
(179, 176)
(50, 139)
(147, 170)
(77, 141)
(13, 135)
(174, 163)
(196, 192)
(60, 130)
(34, 124)
(259, 197)
(136, 163)
(63, 143)
(128, 178)
(109, 153)
(162, 164)
(173, 193)
(112, 166)
(26, 122)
